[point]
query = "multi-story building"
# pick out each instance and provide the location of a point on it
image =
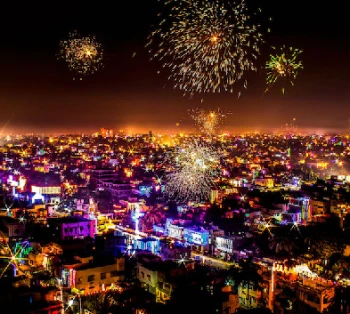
(11, 229)
(174, 231)
(147, 273)
(98, 176)
(72, 227)
(248, 295)
(316, 294)
(118, 189)
(319, 207)
(110, 245)
(158, 277)
(197, 237)
(91, 276)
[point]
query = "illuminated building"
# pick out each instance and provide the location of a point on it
(98, 176)
(72, 227)
(316, 294)
(118, 189)
(11, 229)
(147, 244)
(106, 132)
(198, 237)
(174, 231)
(147, 273)
(157, 277)
(46, 190)
(92, 276)
(214, 195)
(248, 295)
(302, 204)
(318, 207)
(145, 189)
(224, 244)
(265, 182)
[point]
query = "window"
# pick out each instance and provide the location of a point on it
(91, 278)
(148, 277)
(114, 273)
(103, 275)
(142, 274)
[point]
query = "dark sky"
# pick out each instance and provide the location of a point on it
(38, 94)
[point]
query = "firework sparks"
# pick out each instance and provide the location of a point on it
(84, 55)
(207, 122)
(207, 45)
(285, 64)
(14, 257)
(194, 172)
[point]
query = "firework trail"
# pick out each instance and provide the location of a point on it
(207, 45)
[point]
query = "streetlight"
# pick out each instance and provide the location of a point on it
(71, 302)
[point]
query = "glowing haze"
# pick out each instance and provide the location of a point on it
(38, 94)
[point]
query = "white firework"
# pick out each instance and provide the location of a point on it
(195, 168)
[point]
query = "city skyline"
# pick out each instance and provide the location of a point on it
(38, 94)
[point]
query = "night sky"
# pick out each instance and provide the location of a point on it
(38, 94)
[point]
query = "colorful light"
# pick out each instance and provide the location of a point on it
(208, 46)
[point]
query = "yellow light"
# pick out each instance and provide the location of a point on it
(214, 39)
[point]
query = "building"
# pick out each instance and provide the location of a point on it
(118, 189)
(110, 244)
(106, 132)
(318, 207)
(160, 277)
(198, 237)
(316, 294)
(147, 273)
(174, 231)
(11, 229)
(72, 227)
(224, 246)
(265, 182)
(88, 275)
(98, 176)
(248, 295)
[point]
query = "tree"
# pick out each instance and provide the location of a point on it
(282, 246)
(325, 248)
(98, 303)
(191, 298)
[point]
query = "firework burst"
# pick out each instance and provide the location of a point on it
(207, 122)
(194, 170)
(15, 257)
(207, 45)
(283, 65)
(84, 55)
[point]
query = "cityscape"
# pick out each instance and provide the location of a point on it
(175, 156)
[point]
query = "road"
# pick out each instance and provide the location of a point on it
(212, 262)
(206, 260)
